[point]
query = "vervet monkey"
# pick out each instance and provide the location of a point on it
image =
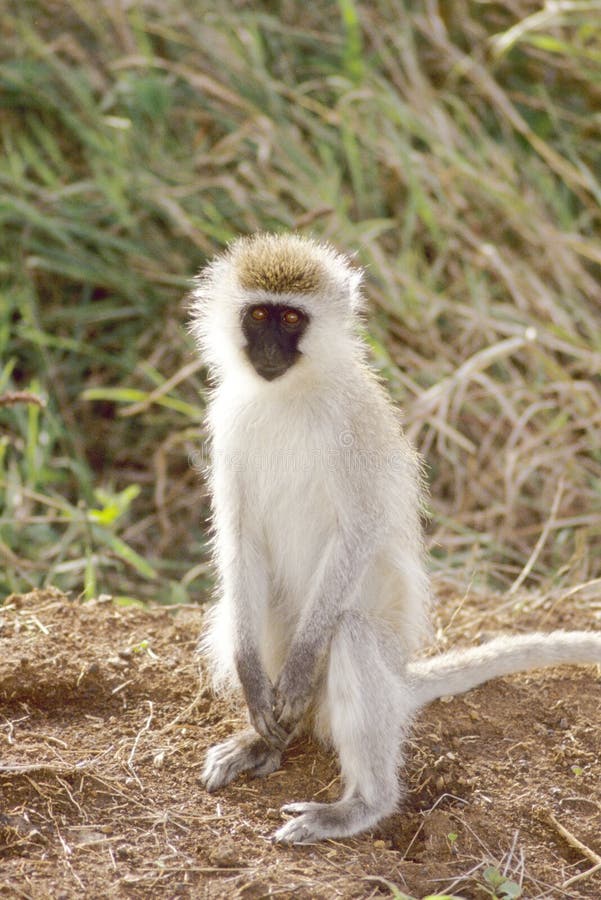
(317, 502)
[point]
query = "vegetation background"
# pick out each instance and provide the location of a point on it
(454, 146)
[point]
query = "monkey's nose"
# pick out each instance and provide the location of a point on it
(273, 358)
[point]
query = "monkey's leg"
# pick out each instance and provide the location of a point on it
(244, 752)
(366, 704)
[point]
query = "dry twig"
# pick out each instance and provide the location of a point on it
(11, 398)
(573, 841)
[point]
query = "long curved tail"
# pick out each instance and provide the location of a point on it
(461, 670)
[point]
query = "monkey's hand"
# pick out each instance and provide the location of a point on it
(260, 700)
(294, 690)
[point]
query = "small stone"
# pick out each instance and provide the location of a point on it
(273, 814)
(117, 663)
(224, 854)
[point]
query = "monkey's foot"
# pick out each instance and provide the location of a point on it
(318, 821)
(245, 752)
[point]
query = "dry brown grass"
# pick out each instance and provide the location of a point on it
(453, 147)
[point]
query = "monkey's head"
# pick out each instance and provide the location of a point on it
(272, 301)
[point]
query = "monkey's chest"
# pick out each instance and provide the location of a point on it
(297, 519)
(286, 475)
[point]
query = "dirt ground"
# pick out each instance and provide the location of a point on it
(104, 719)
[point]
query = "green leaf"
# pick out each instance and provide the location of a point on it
(131, 395)
(90, 587)
(123, 600)
(443, 897)
(493, 876)
(125, 552)
(113, 505)
(353, 50)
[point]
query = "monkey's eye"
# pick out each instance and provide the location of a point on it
(291, 317)
(259, 313)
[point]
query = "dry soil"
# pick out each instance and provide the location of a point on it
(105, 717)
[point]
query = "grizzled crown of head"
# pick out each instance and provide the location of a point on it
(280, 266)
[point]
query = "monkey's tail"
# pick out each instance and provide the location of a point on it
(461, 670)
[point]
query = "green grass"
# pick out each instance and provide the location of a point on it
(457, 154)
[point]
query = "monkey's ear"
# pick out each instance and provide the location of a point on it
(356, 298)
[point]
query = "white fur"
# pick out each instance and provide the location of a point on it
(461, 670)
(280, 446)
(317, 501)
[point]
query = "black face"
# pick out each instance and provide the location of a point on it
(272, 332)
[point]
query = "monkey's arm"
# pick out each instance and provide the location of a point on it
(245, 589)
(343, 564)
(248, 591)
